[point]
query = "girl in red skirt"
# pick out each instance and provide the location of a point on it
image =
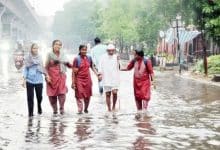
(81, 79)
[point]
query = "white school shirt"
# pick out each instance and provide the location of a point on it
(109, 68)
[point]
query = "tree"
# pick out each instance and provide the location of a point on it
(74, 24)
(130, 22)
(208, 18)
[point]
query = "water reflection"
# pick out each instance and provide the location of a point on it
(182, 118)
(146, 129)
(141, 143)
(144, 126)
(110, 130)
(56, 132)
(83, 131)
(32, 134)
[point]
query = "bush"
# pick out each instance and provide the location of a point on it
(213, 65)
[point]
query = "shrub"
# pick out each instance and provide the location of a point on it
(213, 65)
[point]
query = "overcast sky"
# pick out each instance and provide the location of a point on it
(47, 7)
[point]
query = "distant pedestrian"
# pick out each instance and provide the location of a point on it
(143, 77)
(33, 79)
(56, 66)
(96, 53)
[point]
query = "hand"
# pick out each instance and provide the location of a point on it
(48, 79)
(73, 86)
(99, 77)
(24, 83)
(153, 84)
(68, 64)
(56, 62)
(123, 69)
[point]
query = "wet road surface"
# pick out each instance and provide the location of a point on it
(183, 114)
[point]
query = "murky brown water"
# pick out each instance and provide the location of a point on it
(183, 114)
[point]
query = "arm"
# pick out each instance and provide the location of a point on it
(100, 69)
(73, 78)
(47, 61)
(24, 76)
(150, 69)
(25, 72)
(129, 67)
(46, 68)
(95, 70)
(66, 63)
(74, 73)
(43, 70)
(69, 65)
(93, 57)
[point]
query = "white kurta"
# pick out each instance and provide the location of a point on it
(109, 68)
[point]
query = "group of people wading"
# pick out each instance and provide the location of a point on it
(103, 61)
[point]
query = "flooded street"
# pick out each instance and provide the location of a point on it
(183, 114)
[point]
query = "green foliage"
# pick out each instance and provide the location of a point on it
(208, 17)
(75, 22)
(213, 65)
(199, 67)
(131, 22)
(149, 52)
(118, 21)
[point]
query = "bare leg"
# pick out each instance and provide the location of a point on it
(62, 99)
(108, 100)
(138, 104)
(53, 102)
(80, 105)
(86, 101)
(139, 108)
(145, 104)
(115, 97)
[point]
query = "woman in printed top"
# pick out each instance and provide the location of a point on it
(33, 79)
(143, 77)
(81, 79)
(56, 66)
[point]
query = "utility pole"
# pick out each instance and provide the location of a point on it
(178, 44)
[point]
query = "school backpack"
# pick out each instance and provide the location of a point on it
(78, 60)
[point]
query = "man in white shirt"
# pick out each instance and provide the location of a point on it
(109, 70)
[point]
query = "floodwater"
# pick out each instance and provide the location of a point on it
(182, 114)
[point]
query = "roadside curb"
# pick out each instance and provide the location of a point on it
(199, 79)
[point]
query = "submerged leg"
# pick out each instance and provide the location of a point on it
(53, 103)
